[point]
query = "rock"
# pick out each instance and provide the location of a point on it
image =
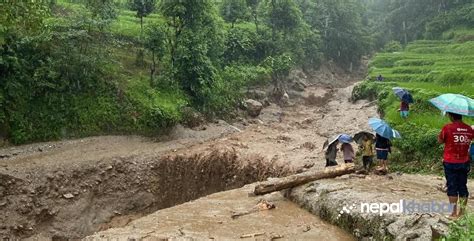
(285, 99)
(68, 195)
(253, 107)
(256, 94)
(298, 86)
(191, 118)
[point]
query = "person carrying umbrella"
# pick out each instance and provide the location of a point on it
(456, 137)
(367, 152)
(405, 100)
(330, 145)
(366, 146)
(383, 146)
(347, 148)
(382, 141)
(331, 154)
(404, 109)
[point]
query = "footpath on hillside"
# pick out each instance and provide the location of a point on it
(116, 184)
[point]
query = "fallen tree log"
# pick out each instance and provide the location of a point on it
(302, 178)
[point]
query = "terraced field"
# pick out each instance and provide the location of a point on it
(426, 68)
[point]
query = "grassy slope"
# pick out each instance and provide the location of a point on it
(427, 69)
(145, 109)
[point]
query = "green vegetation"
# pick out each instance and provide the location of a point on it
(462, 229)
(426, 68)
(74, 68)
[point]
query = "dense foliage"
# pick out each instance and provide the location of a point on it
(82, 67)
(408, 20)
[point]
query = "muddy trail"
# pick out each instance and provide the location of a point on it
(72, 189)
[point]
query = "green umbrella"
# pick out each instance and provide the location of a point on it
(454, 103)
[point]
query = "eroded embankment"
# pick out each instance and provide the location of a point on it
(326, 198)
(72, 203)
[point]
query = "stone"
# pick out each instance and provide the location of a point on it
(253, 107)
(68, 195)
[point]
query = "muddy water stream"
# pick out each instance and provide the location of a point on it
(210, 218)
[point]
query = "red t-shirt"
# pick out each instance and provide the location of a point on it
(457, 137)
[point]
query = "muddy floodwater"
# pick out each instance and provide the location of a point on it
(210, 218)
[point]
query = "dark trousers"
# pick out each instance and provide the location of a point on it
(367, 161)
(456, 178)
(330, 163)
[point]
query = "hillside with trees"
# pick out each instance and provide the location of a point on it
(78, 68)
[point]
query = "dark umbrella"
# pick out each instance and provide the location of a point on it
(403, 94)
(360, 136)
(330, 141)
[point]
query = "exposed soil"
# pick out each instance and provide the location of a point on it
(72, 202)
(73, 188)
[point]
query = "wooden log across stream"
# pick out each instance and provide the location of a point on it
(302, 178)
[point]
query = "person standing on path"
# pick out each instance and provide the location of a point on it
(404, 109)
(382, 147)
(348, 152)
(456, 137)
(331, 154)
(367, 152)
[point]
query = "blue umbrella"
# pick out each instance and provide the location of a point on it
(454, 103)
(403, 94)
(382, 128)
(345, 138)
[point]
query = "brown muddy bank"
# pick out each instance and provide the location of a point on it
(70, 203)
(326, 198)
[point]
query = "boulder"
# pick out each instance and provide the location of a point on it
(253, 107)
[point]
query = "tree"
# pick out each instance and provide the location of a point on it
(103, 9)
(196, 44)
(253, 5)
(233, 10)
(155, 42)
(345, 38)
(143, 9)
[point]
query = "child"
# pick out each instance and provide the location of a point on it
(348, 152)
(404, 109)
(367, 152)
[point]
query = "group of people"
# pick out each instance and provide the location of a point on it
(368, 150)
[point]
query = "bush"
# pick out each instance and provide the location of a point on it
(455, 77)
(392, 46)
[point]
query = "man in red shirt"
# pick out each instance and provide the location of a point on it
(456, 137)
